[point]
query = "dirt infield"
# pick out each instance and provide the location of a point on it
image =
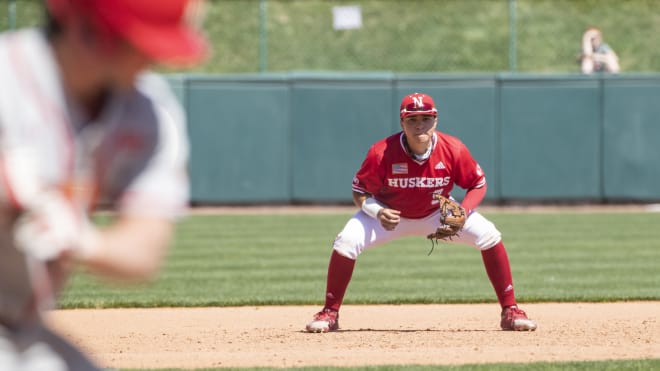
(369, 335)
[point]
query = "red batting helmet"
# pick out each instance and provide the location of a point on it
(417, 104)
(161, 29)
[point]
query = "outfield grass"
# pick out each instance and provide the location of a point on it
(235, 260)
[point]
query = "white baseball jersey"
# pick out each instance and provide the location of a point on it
(131, 158)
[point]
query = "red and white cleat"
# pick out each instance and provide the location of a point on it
(324, 321)
(515, 319)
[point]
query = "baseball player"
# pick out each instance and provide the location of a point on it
(84, 124)
(394, 189)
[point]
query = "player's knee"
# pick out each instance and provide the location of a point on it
(347, 247)
(489, 238)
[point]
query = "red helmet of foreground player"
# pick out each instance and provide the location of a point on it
(161, 29)
(417, 104)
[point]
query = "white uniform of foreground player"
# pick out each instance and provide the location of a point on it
(82, 125)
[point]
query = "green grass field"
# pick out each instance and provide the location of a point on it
(227, 260)
(556, 257)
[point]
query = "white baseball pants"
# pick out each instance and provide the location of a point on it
(362, 232)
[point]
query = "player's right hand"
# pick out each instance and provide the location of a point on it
(50, 227)
(389, 218)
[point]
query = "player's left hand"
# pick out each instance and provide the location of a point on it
(452, 218)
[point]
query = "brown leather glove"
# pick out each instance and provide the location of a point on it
(452, 218)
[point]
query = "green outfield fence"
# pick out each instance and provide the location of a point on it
(411, 35)
(556, 138)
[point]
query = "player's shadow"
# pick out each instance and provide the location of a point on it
(403, 331)
(410, 330)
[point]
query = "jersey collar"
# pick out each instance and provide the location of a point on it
(408, 151)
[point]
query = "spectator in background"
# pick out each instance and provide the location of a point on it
(596, 55)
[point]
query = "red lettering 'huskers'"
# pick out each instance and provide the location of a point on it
(393, 177)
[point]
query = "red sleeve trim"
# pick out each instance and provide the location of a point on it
(360, 190)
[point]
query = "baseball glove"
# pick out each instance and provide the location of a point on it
(452, 218)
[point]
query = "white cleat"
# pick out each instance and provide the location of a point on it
(324, 321)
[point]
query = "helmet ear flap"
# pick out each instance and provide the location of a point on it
(59, 9)
(93, 33)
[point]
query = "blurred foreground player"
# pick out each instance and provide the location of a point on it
(83, 124)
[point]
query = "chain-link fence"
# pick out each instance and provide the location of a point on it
(411, 35)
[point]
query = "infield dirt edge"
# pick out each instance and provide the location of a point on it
(435, 334)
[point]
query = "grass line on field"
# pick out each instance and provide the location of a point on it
(217, 260)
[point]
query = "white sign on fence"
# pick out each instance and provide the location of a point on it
(346, 17)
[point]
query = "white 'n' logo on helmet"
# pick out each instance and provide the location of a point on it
(418, 101)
